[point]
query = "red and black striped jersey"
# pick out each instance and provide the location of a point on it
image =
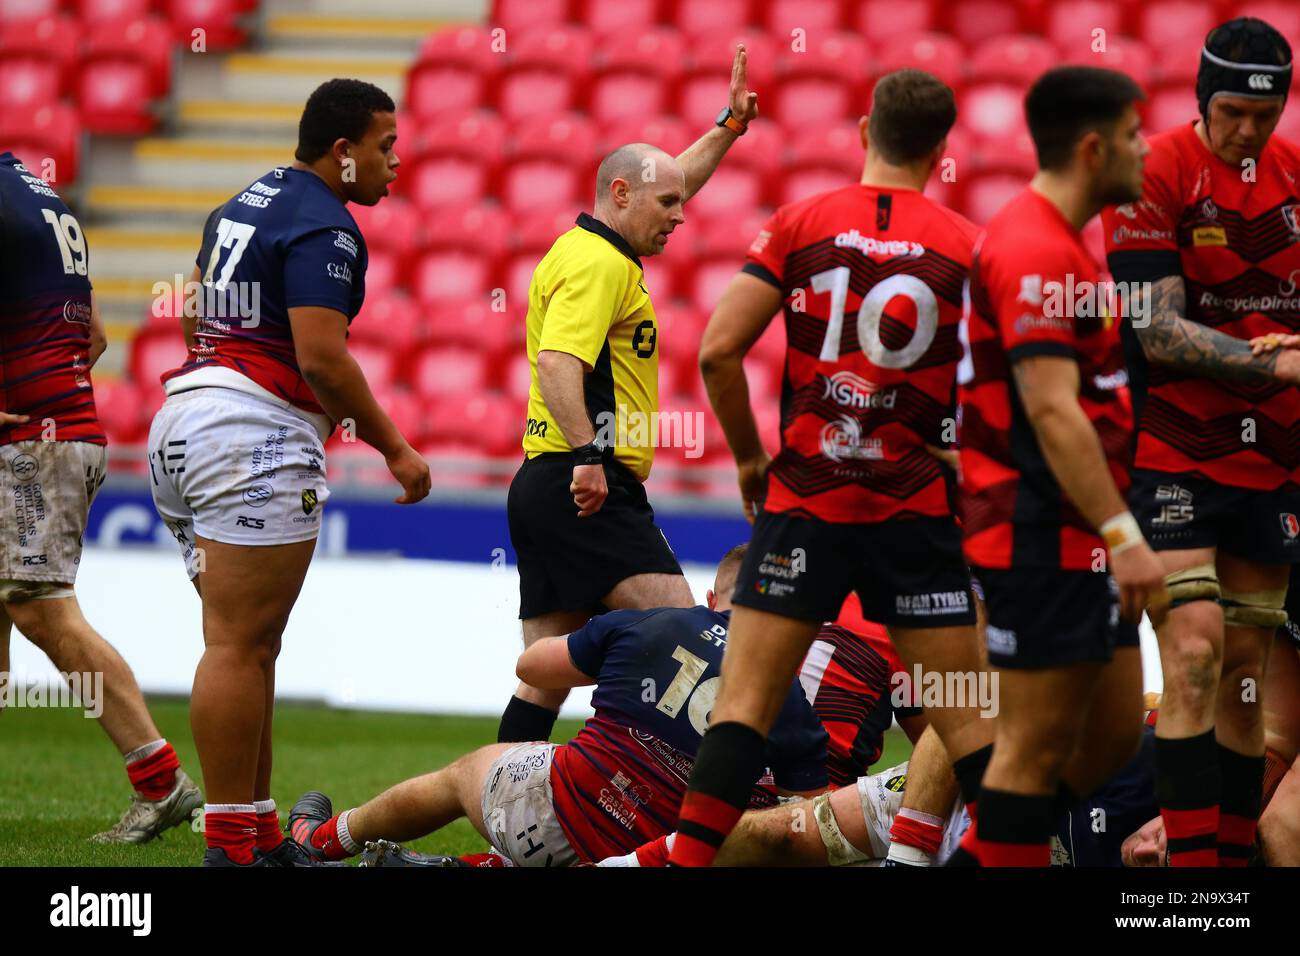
(1034, 291)
(1233, 234)
(45, 308)
(871, 281)
(848, 678)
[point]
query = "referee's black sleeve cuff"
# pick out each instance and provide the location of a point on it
(760, 272)
(1035, 349)
(1144, 265)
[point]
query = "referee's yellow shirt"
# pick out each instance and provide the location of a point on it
(588, 299)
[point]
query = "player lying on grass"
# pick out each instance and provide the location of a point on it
(619, 782)
(856, 825)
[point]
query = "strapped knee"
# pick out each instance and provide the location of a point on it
(1254, 608)
(839, 851)
(1199, 583)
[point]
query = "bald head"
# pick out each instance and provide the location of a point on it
(640, 190)
(635, 164)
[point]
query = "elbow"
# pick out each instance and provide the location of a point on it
(717, 357)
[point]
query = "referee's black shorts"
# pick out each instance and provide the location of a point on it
(567, 563)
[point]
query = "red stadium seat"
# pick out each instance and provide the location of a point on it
(705, 90)
(1013, 153)
(475, 133)
(879, 18)
(1170, 107)
(385, 271)
(27, 10)
(667, 132)
(615, 94)
(219, 20)
(1282, 15)
(154, 352)
(392, 318)
(1122, 53)
(824, 83)
(1071, 24)
(106, 11)
(482, 228)
(661, 51)
(518, 377)
(802, 183)
(55, 40)
(709, 280)
(517, 275)
(493, 325)
(985, 195)
(538, 231)
(445, 180)
(1288, 127)
(1175, 31)
(541, 184)
(1019, 58)
(120, 410)
(392, 224)
(454, 371)
(114, 98)
(628, 17)
(730, 188)
(834, 147)
(442, 275)
(973, 21)
(992, 110)
(697, 19)
(29, 84)
(47, 141)
(405, 409)
(811, 16)
(568, 137)
(470, 46)
(731, 236)
(377, 363)
(936, 53)
(432, 88)
(661, 272)
(522, 16)
(490, 422)
(530, 91)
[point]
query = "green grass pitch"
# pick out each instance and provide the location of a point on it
(62, 781)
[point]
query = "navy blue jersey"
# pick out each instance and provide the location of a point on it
(1093, 831)
(284, 242)
(620, 782)
(44, 313)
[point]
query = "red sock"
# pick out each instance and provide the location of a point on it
(1192, 836)
(654, 853)
(484, 859)
(324, 838)
(154, 776)
(707, 816)
(1235, 836)
(917, 830)
(232, 831)
(1014, 829)
(269, 836)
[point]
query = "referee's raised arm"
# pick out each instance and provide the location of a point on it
(580, 523)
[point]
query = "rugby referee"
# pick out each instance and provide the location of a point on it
(580, 523)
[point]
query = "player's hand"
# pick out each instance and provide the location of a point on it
(411, 472)
(1141, 580)
(1287, 368)
(752, 476)
(744, 104)
(1274, 340)
(6, 419)
(589, 489)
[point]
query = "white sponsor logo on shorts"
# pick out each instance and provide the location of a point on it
(931, 602)
(1001, 641)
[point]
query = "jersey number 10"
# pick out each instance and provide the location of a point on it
(701, 698)
(836, 282)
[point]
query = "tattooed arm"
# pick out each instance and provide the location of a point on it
(1169, 338)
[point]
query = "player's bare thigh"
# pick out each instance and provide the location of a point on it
(248, 591)
(469, 774)
(650, 590)
(953, 650)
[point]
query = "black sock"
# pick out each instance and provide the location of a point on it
(1014, 828)
(1188, 789)
(969, 771)
(1243, 797)
(524, 721)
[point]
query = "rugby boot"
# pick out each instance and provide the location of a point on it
(145, 819)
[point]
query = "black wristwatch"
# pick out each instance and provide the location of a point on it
(728, 119)
(592, 453)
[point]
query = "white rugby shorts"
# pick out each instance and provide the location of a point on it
(518, 811)
(47, 488)
(234, 468)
